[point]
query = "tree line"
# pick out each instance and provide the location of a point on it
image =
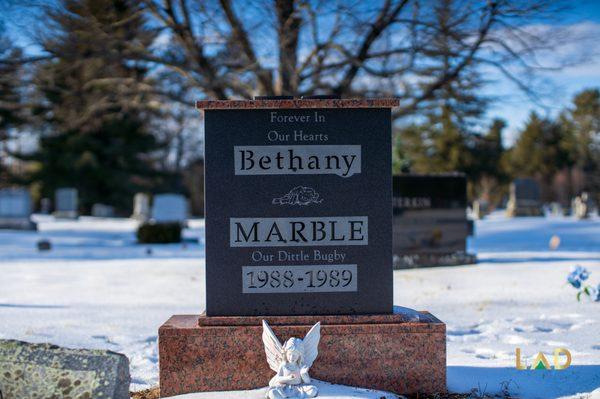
(105, 101)
(562, 153)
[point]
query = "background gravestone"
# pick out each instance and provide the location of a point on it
(66, 203)
(430, 220)
(524, 198)
(582, 206)
(103, 211)
(167, 208)
(141, 207)
(298, 215)
(45, 206)
(480, 208)
(15, 209)
(556, 209)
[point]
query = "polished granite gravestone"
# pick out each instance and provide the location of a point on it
(299, 230)
(430, 220)
(297, 211)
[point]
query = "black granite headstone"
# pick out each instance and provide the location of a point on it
(526, 190)
(298, 215)
(430, 218)
(524, 198)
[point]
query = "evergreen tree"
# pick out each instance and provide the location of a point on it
(97, 138)
(488, 168)
(10, 97)
(583, 121)
(542, 149)
(438, 145)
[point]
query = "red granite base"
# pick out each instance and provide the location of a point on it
(404, 352)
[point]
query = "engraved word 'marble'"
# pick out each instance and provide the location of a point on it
(305, 231)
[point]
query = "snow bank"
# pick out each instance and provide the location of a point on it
(98, 289)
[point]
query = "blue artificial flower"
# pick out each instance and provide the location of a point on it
(596, 295)
(577, 276)
(573, 279)
(583, 273)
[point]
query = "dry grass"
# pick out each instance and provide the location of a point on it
(151, 393)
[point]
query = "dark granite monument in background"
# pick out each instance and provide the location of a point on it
(525, 198)
(430, 220)
(299, 230)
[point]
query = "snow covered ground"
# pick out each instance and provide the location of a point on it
(98, 289)
(326, 391)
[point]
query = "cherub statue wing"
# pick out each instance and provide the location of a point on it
(273, 348)
(311, 344)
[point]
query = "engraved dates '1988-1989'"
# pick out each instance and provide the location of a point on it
(305, 278)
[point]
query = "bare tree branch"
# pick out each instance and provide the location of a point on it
(385, 18)
(241, 36)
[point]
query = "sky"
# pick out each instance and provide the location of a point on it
(558, 87)
(555, 88)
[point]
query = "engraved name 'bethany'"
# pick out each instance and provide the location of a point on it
(304, 231)
(341, 160)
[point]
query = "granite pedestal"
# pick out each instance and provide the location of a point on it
(403, 352)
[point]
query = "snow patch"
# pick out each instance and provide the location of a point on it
(98, 289)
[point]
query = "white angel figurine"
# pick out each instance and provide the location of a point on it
(291, 362)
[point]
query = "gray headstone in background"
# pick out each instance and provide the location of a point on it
(15, 202)
(168, 208)
(103, 211)
(66, 203)
(49, 371)
(524, 198)
(15, 208)
(141, 207)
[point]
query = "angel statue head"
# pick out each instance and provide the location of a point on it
(291, 362)
(294, 350)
